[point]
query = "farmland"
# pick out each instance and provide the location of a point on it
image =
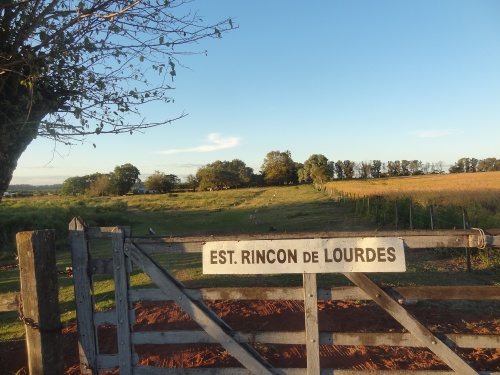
(461, 189)
(255, 210)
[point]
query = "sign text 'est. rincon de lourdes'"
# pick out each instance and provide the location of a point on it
(319, 255)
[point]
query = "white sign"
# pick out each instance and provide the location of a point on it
(370, 254)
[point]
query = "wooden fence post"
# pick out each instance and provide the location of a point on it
(311, 323)
(84, 297)
(465, 218)
(411, 217)
(40, 302)
(396, 213)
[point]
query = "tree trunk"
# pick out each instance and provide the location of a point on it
(14, 139)
(22, 108)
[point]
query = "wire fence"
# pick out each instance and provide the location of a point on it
(407, 214)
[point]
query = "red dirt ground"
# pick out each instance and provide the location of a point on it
(336, 316)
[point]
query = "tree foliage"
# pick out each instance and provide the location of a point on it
(123, 178)
(317, 169)
(224, 175)
(465, 165)
(101, 186)
(162, 182)
(279, 168)
(488, 165)
(117, 182)
(192, 182)
(71, 69)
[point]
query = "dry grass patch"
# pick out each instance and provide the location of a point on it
(461, 189)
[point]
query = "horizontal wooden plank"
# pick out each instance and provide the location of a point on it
(151, 247)
(9, 301)
(105, 232)
(470, 341)
(325, 338)
(170, 337)
(479, 292)
(407, 339)
(107, 361)
(108, 317)
(147, 370)
(416, 239)
(337, 293)
(154, 294)
(110, 361)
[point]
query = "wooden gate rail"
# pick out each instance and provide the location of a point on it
(126, 248)
(414, 239)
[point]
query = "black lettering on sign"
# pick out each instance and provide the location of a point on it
(371, 255)
(245, 257)
(337, 255)
(348, 256)
(213, 257)
(391, 254)
(222, 257)
(292, 256)
(359, 254)
(281, 255)
(327, 258)
(381, 254)
(269, 259)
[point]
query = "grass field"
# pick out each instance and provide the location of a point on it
(450, 196)
(461, 189)
(291, 208)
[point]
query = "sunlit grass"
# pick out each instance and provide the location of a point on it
(284, 209)
(460, 189)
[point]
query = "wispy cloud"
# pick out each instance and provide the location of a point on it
(435, 133)
(214, 142)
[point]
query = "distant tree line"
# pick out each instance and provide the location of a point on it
(468, 165)
(278, 168)
(117, 182)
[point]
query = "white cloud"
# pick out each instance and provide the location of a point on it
(434, 133)
(214, 142)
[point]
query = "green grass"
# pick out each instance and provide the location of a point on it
(291, 208)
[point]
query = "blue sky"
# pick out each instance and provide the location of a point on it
(357, 80)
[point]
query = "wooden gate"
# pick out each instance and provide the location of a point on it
(128, 252)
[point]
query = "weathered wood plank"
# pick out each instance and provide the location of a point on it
(108, 317)
(480, 292)
(144, 370)
(110, 361)
(411, 324)
(105, 232)
(122, 306)
(150, 370)
(407, 339)
(199, 312)
(470, 341)
(9, 301)
(40, 301)
(80, 256)
(416, 239)
(325, 338)
(311, 323)
(107, 361)
(286, 294)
